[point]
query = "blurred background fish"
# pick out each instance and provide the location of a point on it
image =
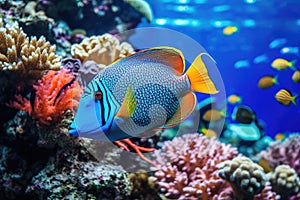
(281, 64)
(290, 50)
(267, 82)
(277, 43)
(285, 97)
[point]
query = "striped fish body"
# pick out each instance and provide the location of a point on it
(140, 93)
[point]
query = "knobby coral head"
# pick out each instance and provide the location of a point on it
(55, 93)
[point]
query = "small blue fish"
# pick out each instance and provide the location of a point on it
(277, 43)
(241, 64)
(143, 92)
(260, 59)
(290, 50)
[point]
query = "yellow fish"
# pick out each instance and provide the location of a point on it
(229, 30)
(265, 165)
(267, 81)
(208, 132)
(280, 64)
(213, 115)
(279, 136)
(285, 97)
(233, 99)
(296, 76)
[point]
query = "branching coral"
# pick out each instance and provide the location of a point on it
(187, 168)
(103, 49)
(23, 61)
(30, 56)
(284, 153)
(55, 93)
(246, 177)
(285, 181)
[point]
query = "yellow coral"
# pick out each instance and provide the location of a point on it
(18, 52)
(103, 49)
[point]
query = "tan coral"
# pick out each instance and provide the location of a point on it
(24, 60)
(246, 177)
(18, 52)
(103, 49)
(285, 181)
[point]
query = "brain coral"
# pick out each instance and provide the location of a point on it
(284, 153)
(187, 168)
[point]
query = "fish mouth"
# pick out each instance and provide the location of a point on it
(72, 130)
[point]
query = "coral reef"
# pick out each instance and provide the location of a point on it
(79, 180)
(112, 16)
(285, 152)
(143, 186)
(103, 49)
(187, 168)
(246, 178)
(55, 93)
(22, 62)
(29, 56)
(267, 194)
(285, 181)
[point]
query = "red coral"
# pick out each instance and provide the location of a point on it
(187, 168)
(55, 93)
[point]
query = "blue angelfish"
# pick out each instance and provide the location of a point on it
(143, 92)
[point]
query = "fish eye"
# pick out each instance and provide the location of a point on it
(98, 95)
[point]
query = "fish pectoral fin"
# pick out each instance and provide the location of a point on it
(187, 105)
(199, 78)
(128, 106)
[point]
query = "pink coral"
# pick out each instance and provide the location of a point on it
(187, 168)
(284, 153)
(56, 92)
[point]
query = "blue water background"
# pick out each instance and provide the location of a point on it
(259, 23)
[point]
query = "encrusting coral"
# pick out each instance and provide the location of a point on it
(143, 186)
(285, 181)
(284, 153)
(187, 168)
(55, 93)
(246, 177)
(103, 49)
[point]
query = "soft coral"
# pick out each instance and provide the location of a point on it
(55, 93)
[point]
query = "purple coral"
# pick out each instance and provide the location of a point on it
(187, 168)
(284, 153)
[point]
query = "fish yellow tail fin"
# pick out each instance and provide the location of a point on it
(199, 78)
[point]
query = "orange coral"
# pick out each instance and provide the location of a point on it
(56, 92)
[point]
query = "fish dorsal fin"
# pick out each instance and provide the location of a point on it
(128, 105)
(168, 56)
(186, 107)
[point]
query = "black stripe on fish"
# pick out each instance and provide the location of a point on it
(103, 121)
(105, 94)
(63, 88)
